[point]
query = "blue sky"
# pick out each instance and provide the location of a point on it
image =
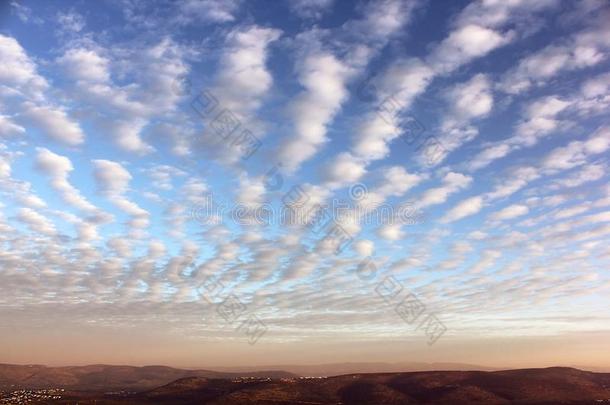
(499, 209)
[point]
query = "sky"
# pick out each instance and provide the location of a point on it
(204, 183)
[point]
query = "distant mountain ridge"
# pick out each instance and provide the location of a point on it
(334, 369)
(107, 377)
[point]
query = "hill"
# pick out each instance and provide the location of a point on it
(556, 385)
(107, 378)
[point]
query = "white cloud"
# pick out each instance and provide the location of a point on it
(163, 176)
(85, 64)
(373, 136)
(364, 247)
(587, 174)
(111, 178)
(475, 35)
(126, 134)
(212, 11)
(384, 18)
(488, 155)
(124, 111)
(158, 69)
(195, 191)
(517, 179)
(17, 69)
(55, 123)
(243, 81)
(390, 232)
(323, 78)
(583, 49)
(71, 21)
(540, 120)
(251, 191)
(501, 13)
(31, 201)
(5, 168)
(596, 86)
(112, 181)
(36, 222)
(467, 101)
(156, 249)
(313, 9)
(599, 142)
(403, 80)
(452, 183)
(576, 152)
(487, 259)
(9, 128)
(58, 168)
(467, 207)
(244, 77)
(510, 212)
(395, 181)
(464, 44)
(344, 169)
(122, 247)
(561, 158)
(478, 235)
(395, 89)
(23, 12)
(570, 212)
(472, 99)
(595, 96)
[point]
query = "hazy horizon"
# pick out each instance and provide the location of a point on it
(233, 183)
(588, 353)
